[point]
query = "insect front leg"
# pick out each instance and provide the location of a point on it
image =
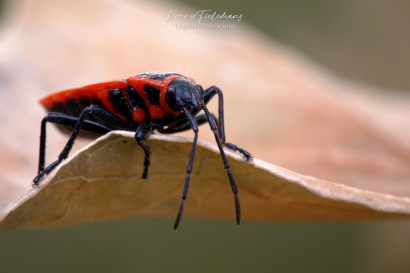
(142, 133)
(209, 93)
(183, 125)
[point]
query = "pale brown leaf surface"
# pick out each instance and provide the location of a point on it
(102, 182)
(279, 105)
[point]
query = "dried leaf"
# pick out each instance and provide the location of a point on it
(279, 105)
(101, 182)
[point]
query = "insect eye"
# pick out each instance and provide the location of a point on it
(171, 90)
(171, 97)
(200, 89)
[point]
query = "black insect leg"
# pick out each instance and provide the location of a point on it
(183, 125)
(209, 93)
(70, 122)
(77, 124)
(142, 133)
(194, 127)
(226, 164)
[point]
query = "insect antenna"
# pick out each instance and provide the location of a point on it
(194, 126)
(225, 162)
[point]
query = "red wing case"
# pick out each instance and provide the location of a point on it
(73, 101)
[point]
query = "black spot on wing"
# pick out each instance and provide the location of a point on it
(119, 102)
(152, 94)
(74, 107)
(135, 99)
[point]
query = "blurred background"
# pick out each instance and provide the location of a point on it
(362, 40)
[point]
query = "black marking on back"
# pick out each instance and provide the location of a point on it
(152, 94)
(120, 104)
(135, 99)
(161, 76)
(74, 107)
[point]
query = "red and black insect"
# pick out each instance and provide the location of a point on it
(165, 102)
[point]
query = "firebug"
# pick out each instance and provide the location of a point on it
(165, 102)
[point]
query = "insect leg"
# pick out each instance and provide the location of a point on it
(194, 126)
(183, 125)
(208, 95)
(70, 122)
(142, 133)
(226, 164)
(76, 124)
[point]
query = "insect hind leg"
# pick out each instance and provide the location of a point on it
(77, 123)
